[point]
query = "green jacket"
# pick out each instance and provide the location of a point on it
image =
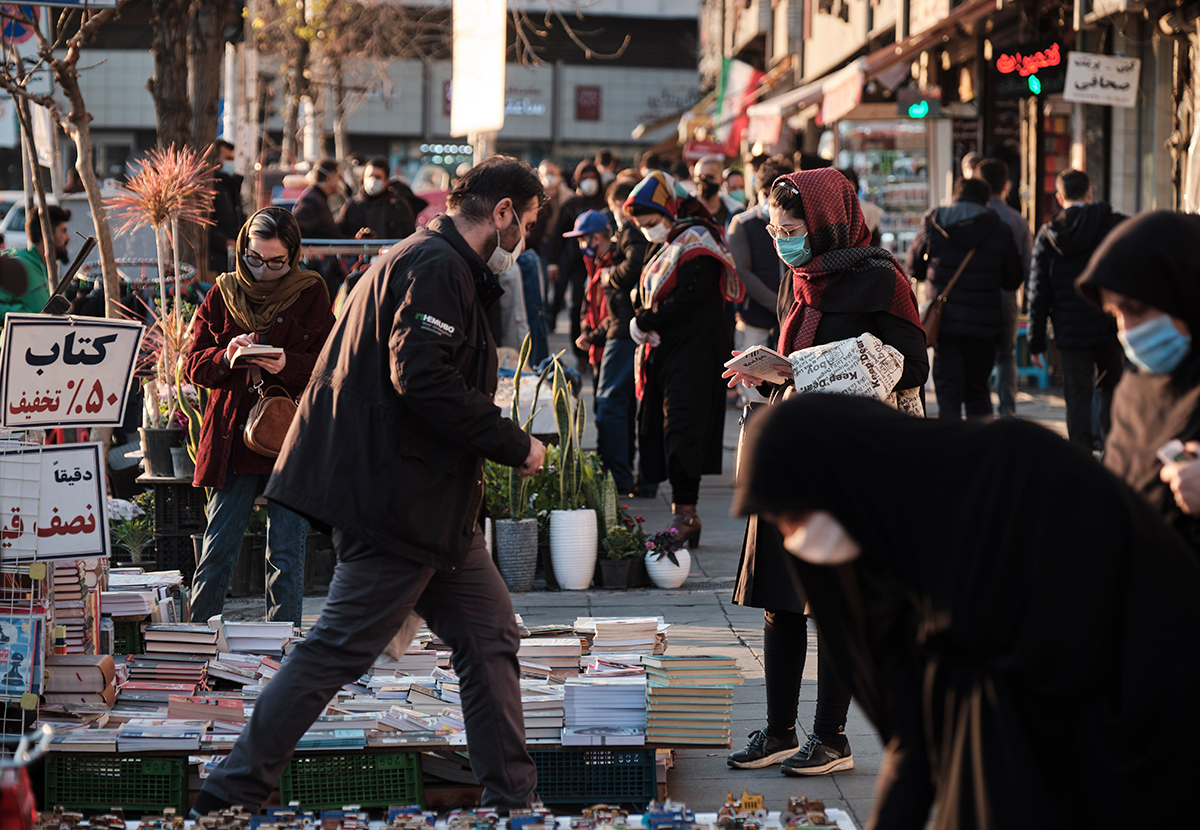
(37, 291)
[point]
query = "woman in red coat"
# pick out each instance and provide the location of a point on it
(268, 300)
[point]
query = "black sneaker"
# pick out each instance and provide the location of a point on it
(817, 758)
(763, 750)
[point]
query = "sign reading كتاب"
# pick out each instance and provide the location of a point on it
(1102, 79)
(66, 371)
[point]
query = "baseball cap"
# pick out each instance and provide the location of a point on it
(590, 221)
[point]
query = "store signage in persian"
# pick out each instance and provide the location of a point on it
(1102, 79)
(1029, 69)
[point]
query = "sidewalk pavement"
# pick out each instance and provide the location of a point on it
(705, 621)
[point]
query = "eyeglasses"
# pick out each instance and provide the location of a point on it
(255, 261)
(776, 232)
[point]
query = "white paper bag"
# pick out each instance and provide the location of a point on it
(862, 366)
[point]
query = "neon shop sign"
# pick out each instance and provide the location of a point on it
(1026, 65)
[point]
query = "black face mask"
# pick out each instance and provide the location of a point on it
(709, 189)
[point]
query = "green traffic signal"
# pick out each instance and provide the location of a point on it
(1035, 86)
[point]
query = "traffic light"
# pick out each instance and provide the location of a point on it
(919, 103)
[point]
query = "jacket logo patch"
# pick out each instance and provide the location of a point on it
(433, 324)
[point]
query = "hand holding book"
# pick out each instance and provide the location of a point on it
(757, 365)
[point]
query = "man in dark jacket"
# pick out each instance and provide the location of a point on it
(971, 318)
(387, 449)
(564, 263)
(228, 214)
(382, 208)
(1092, 358)
(316, 219)
(760, 268)
(995, 173)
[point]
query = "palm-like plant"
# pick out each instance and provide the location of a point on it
(170, 186)
(518, 488)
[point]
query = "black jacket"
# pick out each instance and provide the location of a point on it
(558, 252)
(1060, 253)
(629, 255)
(942, 242)
(228, 217)
(389, 441)
(758, 265)
(314, 217)
(390, 215)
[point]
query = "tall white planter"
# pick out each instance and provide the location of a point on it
(573, 547)
(666, 574)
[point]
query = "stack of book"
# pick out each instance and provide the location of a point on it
(167, 668)
(150, 735)
(227, 715)
(257, 637)
(414, 661)
(605, 711)
(623, 635)
(81, 678)
(181, 638)
(689, 699)
(136, 604)
(550, 656)
(544, 713)
(447, 685)
(75, 601)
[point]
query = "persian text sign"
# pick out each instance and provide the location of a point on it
(66, 371)
(70, 520)
(1102, 79)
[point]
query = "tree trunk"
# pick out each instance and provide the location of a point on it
(206, 53)
(169, 86)
(341, 145)
(297, 88)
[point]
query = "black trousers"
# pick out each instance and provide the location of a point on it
(371, 595)
(961, 366)
(1087, 371)
(785, 646)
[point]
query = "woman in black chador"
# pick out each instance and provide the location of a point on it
(1026, 648)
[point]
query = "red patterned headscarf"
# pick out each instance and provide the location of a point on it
(845, 273)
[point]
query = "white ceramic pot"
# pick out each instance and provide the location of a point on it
(666, 574)
(573, 547)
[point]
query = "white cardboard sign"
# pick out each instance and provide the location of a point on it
(70, 515)
(66, 371)
(1102, 79)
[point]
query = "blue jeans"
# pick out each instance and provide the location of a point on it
(615, 411)
(228, 514)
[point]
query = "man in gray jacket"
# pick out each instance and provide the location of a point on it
(387, 449)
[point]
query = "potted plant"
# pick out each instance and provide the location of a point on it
(574, 538)
(129, 528)
(171, 185)
(667, 560)
(509, 500)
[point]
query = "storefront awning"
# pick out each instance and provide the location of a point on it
(881, 60)
(788, 101)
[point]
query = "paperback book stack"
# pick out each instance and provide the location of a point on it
(181, 638)
(550, 657)
(150, 735)
(75, 601)
(80, 678)
(544, 713)
(605, 711)
(257, 637)
(689, 699)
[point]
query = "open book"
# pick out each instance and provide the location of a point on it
(246, 352)
(764, 363)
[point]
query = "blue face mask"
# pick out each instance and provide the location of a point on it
(588, 250)
(794, 250)
(1156, 346)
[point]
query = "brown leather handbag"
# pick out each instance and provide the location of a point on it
(931, 313)
(269, 419)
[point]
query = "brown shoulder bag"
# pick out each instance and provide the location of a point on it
(269, 419)
(931, 313)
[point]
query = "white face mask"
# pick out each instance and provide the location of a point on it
(822, 541)
(589, 187)
(501, 260)
(373, 186)
(657, 233)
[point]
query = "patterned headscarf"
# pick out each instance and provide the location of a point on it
(845, 274)
(658, 191)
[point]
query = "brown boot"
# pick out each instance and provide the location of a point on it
(687, 523)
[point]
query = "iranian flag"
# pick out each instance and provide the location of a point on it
(734, 94)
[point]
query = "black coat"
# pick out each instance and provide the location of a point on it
(629, 255)
(757, 262)
(389, 442)
(993, 642)
(1060, 253)
(942, 242)
(314, 216)
(390, 215)
(228, 217)
(568, 257)
(763, 580)
(681, 419)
